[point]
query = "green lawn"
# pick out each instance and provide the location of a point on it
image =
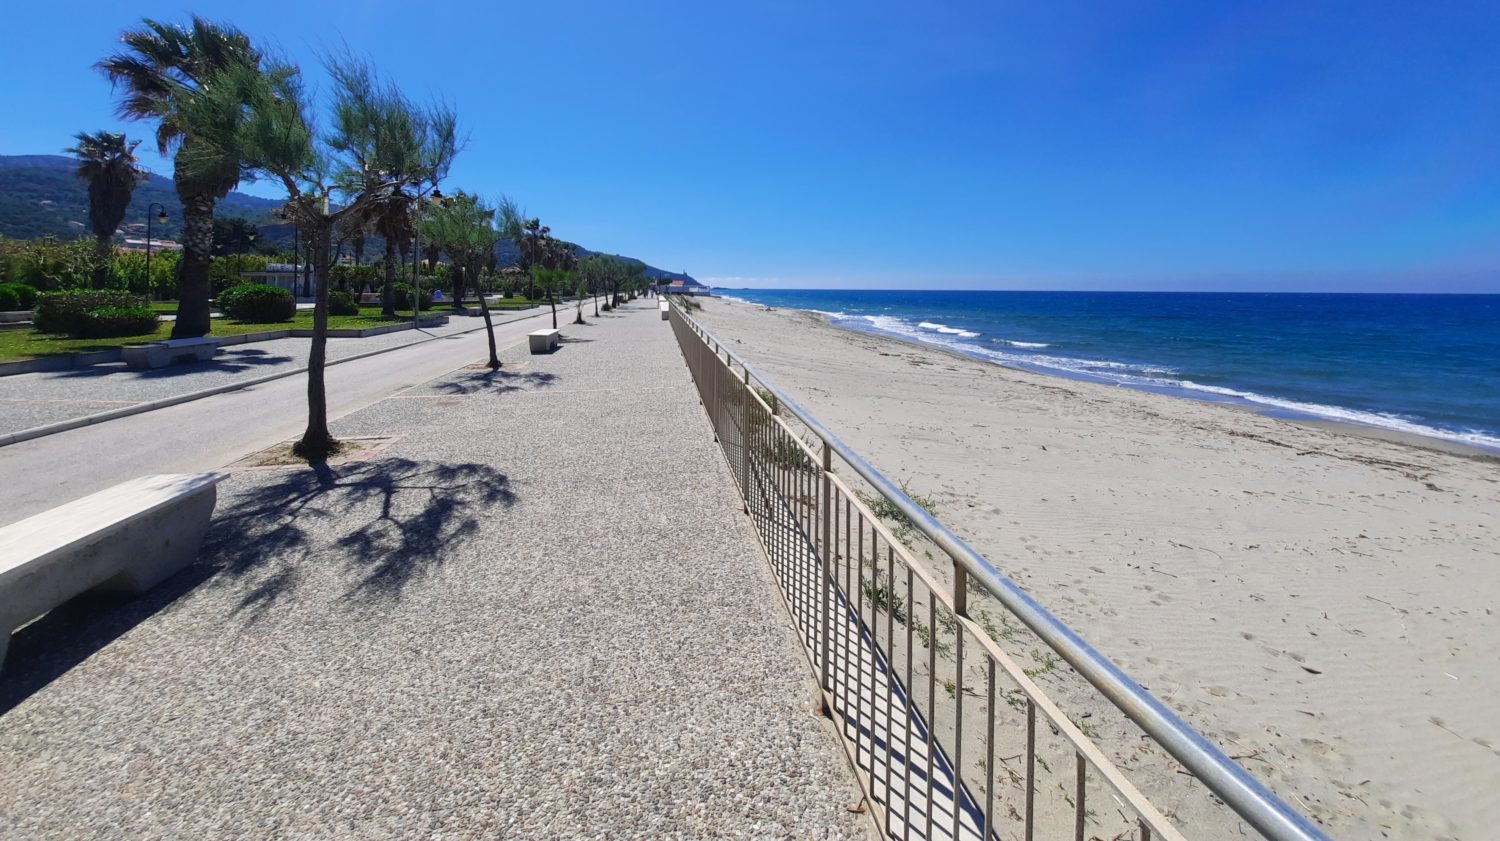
(24, 344)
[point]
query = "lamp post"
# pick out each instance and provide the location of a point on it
(283, 215)
(163, 216)
(416, 258)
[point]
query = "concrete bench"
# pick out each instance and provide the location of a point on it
(666, 308)
(370, 298)
(544, 341)
(125, 539)
(169, 352)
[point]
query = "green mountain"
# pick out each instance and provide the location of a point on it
(41, 196)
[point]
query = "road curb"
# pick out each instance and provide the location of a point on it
(141, 408)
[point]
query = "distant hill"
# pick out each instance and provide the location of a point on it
(40, 196)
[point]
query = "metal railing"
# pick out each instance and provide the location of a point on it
(939, 720)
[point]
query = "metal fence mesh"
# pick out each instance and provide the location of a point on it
(950, 736)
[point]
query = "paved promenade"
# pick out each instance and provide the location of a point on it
(32, 400)
(535, 611)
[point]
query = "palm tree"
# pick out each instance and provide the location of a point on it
(275, 133)
(161, 66)
(107, 161)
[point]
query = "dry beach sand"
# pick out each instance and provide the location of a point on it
(1322, 603)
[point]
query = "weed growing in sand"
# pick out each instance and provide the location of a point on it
(924, 633)
(1084, 727)
(884, 597)
(1004, 631)
(1046, 661)
(788, 454)
(901, 525)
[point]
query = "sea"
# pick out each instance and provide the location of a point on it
(1419, 364)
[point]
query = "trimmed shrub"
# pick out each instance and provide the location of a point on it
(342, 303)
(64, 312)
(16, 297)
(112, 322)
(354, 278)
(257, 303)
(403, 297)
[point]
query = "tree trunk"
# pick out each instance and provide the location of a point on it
(316, 441)
(458, 286)
(489, 328)
(104, 248)
(552, 300)
(194, 289)
(388, 291)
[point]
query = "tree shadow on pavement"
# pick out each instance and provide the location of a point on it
(497, 382)
(370, 528)
(233, 360)
(388, 522)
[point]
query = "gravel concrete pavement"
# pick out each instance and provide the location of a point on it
(537, 612)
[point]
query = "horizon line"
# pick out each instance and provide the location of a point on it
(1119, 291)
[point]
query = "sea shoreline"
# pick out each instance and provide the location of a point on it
(1265, 400)
(1396, 436)
(1307, 593)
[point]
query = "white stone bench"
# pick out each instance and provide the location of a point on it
(544, 341)
(169, 352)
(666, 308)
(125, 539)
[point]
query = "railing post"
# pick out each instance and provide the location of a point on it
(745, 441)
(825, 512)
(960, 590)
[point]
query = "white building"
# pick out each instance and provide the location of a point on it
(281, 275)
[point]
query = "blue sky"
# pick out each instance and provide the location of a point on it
(1298, 146)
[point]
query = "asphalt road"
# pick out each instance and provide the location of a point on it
(207, 434)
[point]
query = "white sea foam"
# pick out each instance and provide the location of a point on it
(1152, 377)
(1384, 420)
(951, 331)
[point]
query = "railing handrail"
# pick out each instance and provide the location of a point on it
(1241, 791)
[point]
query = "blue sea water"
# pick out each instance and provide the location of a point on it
(1423, 364)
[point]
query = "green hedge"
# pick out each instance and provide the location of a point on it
(403, 297)
(15, 297)
(257, 303)
(113, 322)
(342, 303)
(65, 312)
(352, 278)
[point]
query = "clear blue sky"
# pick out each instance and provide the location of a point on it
(1268, 145)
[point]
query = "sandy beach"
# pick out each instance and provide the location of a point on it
(1319, 602)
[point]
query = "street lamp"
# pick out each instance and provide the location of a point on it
(162, 216)
(296, 245)
(416, 259)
